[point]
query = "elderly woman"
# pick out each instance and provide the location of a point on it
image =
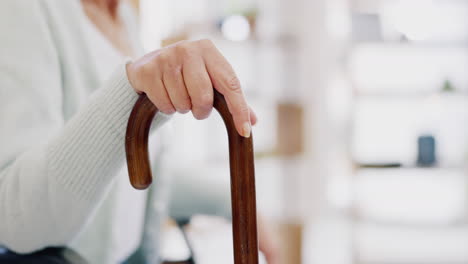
(66, 91)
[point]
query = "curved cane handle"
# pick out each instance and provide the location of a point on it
(244, 214)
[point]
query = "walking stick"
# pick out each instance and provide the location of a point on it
(244, 215)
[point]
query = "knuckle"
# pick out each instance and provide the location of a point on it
(164, 58)
(205, 101)
(243, 110)
(234, 83)
(147, 69)
(206, 43)
(169, 65)
(173, 71)
(183, 49)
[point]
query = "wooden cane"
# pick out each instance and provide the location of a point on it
(243, 200)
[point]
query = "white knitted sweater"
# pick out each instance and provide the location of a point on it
(61, 136)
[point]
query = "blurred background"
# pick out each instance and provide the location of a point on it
(362, 143)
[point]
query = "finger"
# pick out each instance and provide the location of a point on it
(253, 117)
(199, 87)
(175, 88)
(226, 82)
(158, 95)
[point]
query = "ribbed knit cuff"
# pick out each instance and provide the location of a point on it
(90, 151)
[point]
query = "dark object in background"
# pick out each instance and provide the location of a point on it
(380, 165)
(46, 256)
(426, 151)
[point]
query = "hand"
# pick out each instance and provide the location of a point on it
(181, 78)
(268, 242)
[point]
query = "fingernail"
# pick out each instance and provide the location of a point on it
(247, 129)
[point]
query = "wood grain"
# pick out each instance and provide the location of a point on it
(244, 214)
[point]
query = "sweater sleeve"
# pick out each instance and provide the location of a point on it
(53, 173)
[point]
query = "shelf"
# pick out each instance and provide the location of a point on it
(435, 46)
(414, 96)
(399, 166)
(387, 130)
(407, 69)
(413, 196)
(403, 245)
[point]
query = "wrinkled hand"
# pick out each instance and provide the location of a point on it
(181, 78)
